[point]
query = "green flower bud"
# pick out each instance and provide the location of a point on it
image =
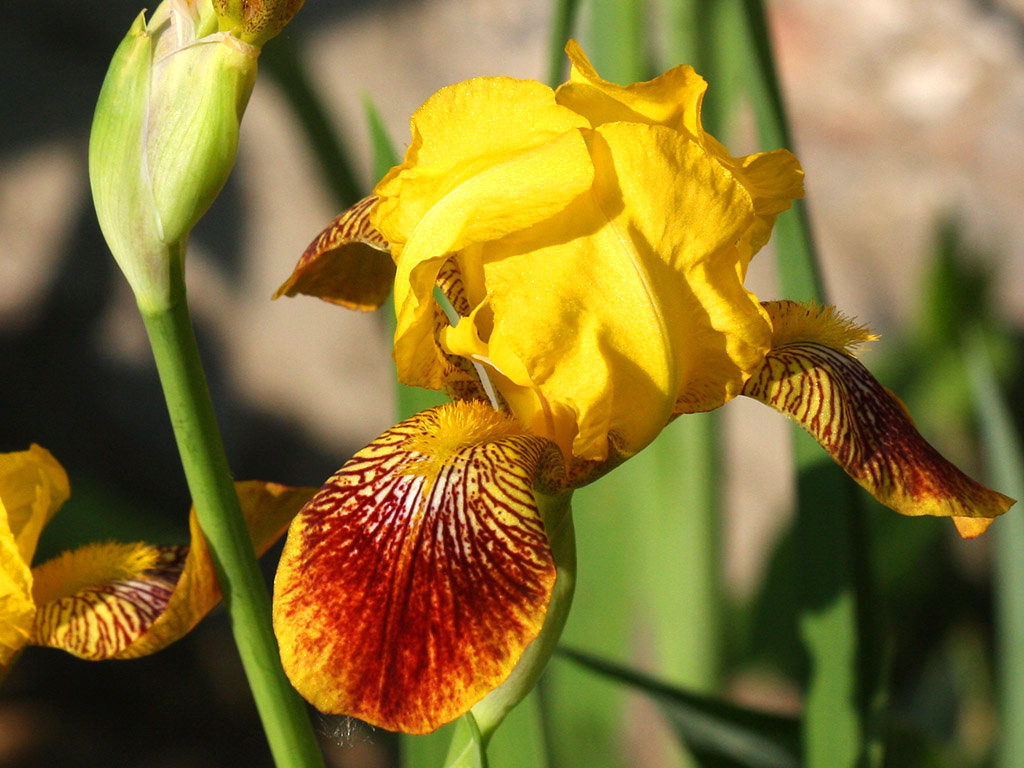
(255, 21)
(164, 137)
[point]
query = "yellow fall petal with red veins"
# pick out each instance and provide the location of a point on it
(412, 582)
(811, 376)
(129, 600)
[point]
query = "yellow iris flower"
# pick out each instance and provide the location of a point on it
(592, 242)
(108, 600)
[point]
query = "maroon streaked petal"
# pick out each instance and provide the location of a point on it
(862, 425)
(412, 582)
(101, 620)
(90, 608)
(349, 263)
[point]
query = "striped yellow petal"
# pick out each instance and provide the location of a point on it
(122, 601)
(349, 263)
(811, 376)
(412, 582)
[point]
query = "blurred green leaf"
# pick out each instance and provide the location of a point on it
(616, 39)
(845, 689)
(385, 155)
(719, 734)
(1005, 459)
(562, 22)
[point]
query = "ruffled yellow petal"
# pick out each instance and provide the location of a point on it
(773, 179)
(349, 263)
(470, 180)
(812, 379)
(412, 582)
(33, 486)
(129, 600)
(672, 99)
(614, 303)
(461, 131)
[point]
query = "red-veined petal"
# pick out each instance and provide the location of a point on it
(413, 581)
(349, 263)
(127, 600)
(811, 377)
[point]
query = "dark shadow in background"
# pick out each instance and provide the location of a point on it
(107, 424)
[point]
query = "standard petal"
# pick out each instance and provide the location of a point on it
(507, 195)
(413, 581)
(672, 99)
(129, 600)
(811, 377)
(773, 179)
(475, 171)
(625, 307)
(349, 263)
(460, 131)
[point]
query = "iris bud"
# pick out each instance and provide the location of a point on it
(165, 135)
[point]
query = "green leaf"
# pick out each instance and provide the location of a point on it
(467, 749)
(719, 734)
(562, 23)
(385, 156)
(616, 39)
(1005, 459)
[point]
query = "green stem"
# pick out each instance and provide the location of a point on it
(283, 713)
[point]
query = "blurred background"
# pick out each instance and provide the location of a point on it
(908, 118)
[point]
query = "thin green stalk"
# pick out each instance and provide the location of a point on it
(1004, 457)
(844, 687)
(283, 713)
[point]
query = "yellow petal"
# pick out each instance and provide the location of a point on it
(469, 180)
(349, 263)
(413, 581)
(672, 99)
(460, 131)
(33, 486)
(16, 606)
(615, 303)
(129, 600)
(862, 425)
(773, 179)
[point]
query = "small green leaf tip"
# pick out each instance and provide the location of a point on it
(164, 137)
(255, 21)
